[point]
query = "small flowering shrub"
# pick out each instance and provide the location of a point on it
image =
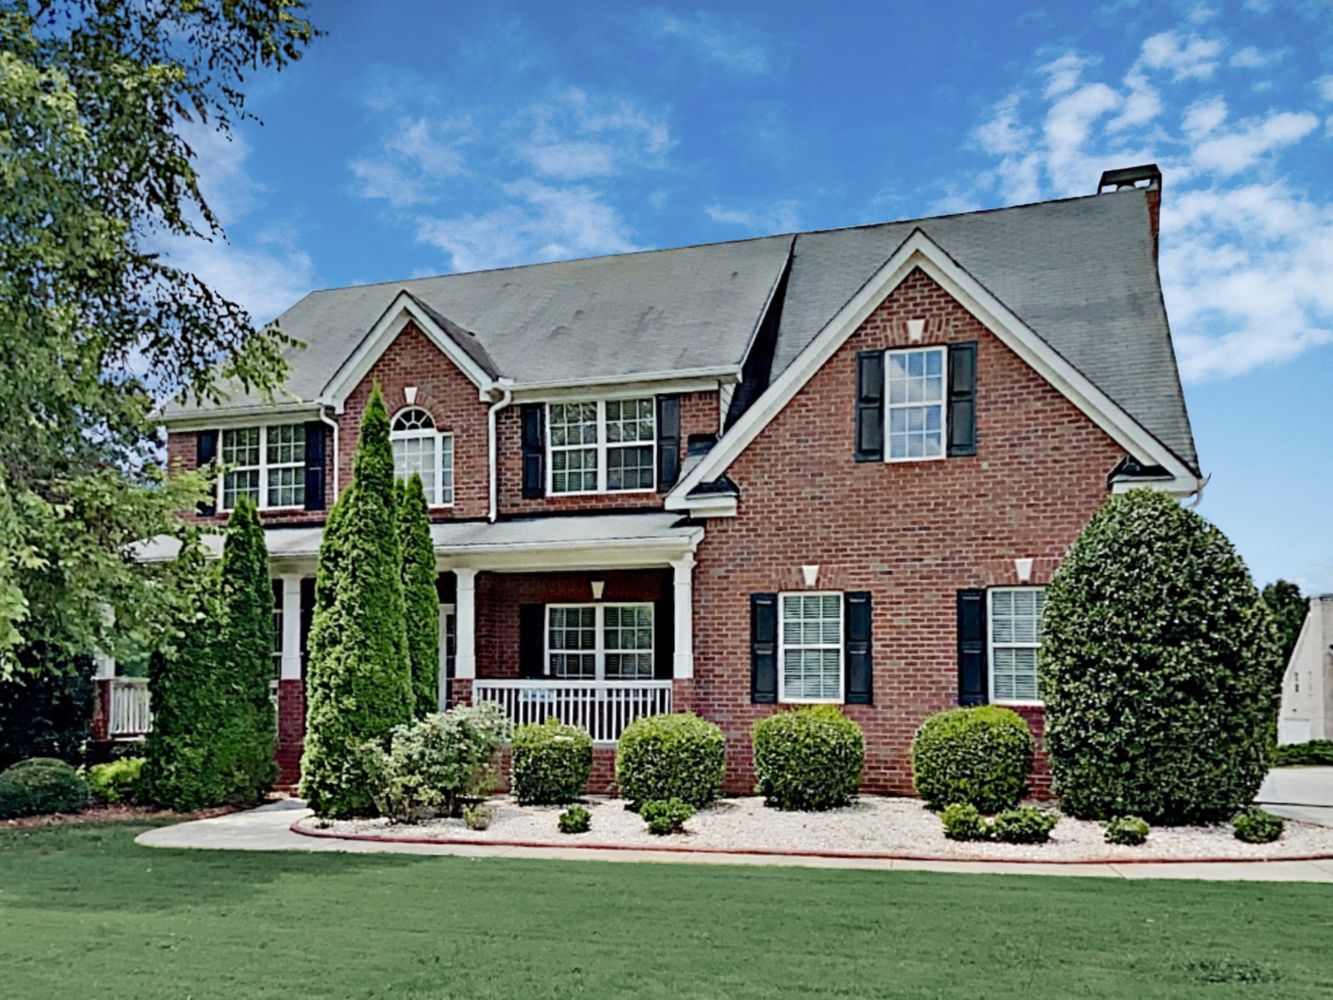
(666, 816)
(963, 822)
(1130, 831)
(679, 756)
(551, 763)
(575, 819)
(1255, 826)
(977, 755)
(808, 758)
(1023, 825)
(115, 783)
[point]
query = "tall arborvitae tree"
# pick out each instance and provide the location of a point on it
(247, 605)
(359, 682)
(184, 768)
(421, 599)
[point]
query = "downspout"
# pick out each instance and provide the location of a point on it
(506, 397)
(326, 419)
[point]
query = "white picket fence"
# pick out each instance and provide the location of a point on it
(603, 708)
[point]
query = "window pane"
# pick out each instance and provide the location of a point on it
(573, 424)
(286, 486)
(574, 470)
(629, 468)
(416, 454)
(286, 444)
(240, 447)
(414, 419)
(915, 381)
(447, 468)
(571, 640)
(238, 484)
(811, 646)
(629, 420)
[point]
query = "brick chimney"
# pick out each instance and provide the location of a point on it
(1146, 176)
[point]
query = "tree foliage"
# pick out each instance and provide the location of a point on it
(96, 327)
(359, 683)
(1289, 608)
(420, 598)
(1159, 668)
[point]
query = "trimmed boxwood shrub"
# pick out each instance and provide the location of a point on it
(1255, 826)
(41, 785)
(1159, 668)
(1024, 825)
(808, 758)
(1311, 753)
(575, 819)
(981, 756)
(963, 822)
(666, 816)
(116, 783)
(550, 763)
(1130, 831)
(679, 756)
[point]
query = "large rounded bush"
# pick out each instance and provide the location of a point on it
(550, 763)
(1159, 668)
(678, 756)
(980, 756)
(41, 785)
(808, 758)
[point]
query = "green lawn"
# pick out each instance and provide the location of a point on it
(84, 912)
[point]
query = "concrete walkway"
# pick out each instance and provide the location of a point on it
(267, 829)
(1304, 793)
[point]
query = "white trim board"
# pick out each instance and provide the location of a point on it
(401, 311)
(920, 251)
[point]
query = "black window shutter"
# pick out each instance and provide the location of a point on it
(531, 640)
(668, 442)
(314, 465)
(963, 398)
(206, 453)
(972, 688)
(664, 639)
(307, 618)
(764, 649)
(869, 406)
(534, 450)
(859, 676)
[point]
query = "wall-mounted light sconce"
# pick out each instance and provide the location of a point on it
(598, 586)
(410, 394)
(916, 329)
(811, 574)
(1023, 570)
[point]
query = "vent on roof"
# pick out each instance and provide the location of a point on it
(1131, 177)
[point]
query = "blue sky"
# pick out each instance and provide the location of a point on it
(423, 138)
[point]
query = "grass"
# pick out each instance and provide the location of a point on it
(86, 912)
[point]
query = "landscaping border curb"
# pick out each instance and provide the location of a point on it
(765, 852)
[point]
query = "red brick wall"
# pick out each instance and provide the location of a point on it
(911, 533)
(698, 415)
(291, 730)
(500, 594)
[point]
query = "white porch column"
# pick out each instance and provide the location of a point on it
(465, 621)
(683, 607)
(291, 628)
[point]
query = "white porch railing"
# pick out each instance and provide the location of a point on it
(604, 708)
(131, 713)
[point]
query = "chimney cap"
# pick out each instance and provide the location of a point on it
(1129, 177)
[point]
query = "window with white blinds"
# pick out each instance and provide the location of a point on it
(1015, 637)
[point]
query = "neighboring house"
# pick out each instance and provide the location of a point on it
(1307, 686)
(830, 467)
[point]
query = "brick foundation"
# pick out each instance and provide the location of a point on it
(291, 730)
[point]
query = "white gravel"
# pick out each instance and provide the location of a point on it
(873, 825)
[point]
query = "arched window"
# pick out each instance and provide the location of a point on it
(418, 447)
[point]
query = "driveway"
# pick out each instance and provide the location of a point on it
(1303, 793)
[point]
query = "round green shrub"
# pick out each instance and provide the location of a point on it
(1159, 668)
(678, 756)
(1023, 825)
(962, 821)
(808, 758)
(41, 785)
(981, 756)
(1255, 826)
(666, 816)
(117, 782)
(550, 763)
(1130, 831)
(575, 819)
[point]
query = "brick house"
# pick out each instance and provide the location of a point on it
(824, 467)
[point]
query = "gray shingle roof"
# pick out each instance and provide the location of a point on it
(1079, 272)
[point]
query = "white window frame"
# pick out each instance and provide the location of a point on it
(599, 649)
(262, 468)
(943, 351)
(601, 446)
(441, 437)
(841, 647)
(991, 646)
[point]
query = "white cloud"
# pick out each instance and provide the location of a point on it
(726, 42)
(1325, 85)
(1204, 117)
(781, 217)
(1004, 133)
(1254, 58)
(1064, 73)
(574, 136)
(1186, 58)
(1141, 105)
(417, 153)
(538, 222)
(1235, 151)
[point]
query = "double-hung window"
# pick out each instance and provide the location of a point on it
(419, 448)
(602, 446)
(810, 645)
(599, 641)
(915, 412)
(266, 464)
(1015, 637)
